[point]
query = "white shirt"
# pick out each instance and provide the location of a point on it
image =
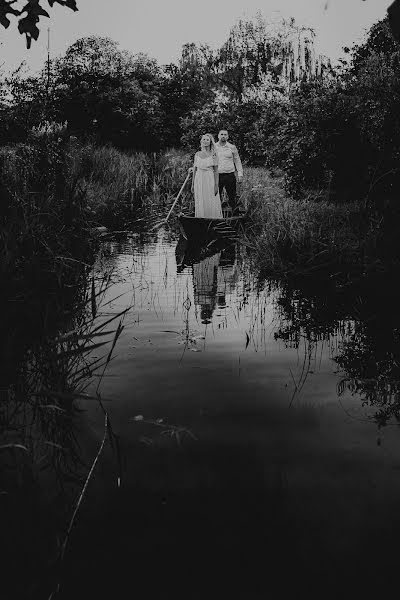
(228, 158)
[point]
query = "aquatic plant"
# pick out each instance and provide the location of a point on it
(118, 184)
(299, 236)
(45, 473)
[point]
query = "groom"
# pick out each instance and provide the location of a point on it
(229, 164)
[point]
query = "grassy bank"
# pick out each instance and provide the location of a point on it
(57, 190)
(302, 237)
(42, 463)
(289, 236)
(44, 216)
(51, 322)
(116, 185)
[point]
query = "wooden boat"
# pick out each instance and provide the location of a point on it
(202, 228)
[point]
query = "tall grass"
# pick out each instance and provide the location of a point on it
(43, 216)
(53, 192)
(41, 461)
(170, 171)
(114, 183)
(117, 185)
(298, 236)
(58, 189)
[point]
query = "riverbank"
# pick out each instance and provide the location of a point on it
(223, 378)
(281, 477)
(314, 237)
(288, 236)
(58, 191)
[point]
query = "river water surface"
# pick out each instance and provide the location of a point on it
(247, 461)
(248, 468)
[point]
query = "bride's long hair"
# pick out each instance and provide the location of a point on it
(213, 147)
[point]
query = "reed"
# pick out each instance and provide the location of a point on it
(297, 236)
(114, 182)
(117, 185)
(40, 455)
(43, 217)
(170, 170)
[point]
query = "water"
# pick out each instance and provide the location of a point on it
(242, 463)
(246, 460)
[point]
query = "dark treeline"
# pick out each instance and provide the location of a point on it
(331, 129)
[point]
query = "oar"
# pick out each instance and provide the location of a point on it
(175, 201)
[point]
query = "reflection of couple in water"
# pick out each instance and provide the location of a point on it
(213, 277)
(214, 272)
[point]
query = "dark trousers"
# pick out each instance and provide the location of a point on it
(228, 181)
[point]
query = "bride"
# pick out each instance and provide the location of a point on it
(207, 201)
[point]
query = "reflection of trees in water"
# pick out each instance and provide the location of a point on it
(363, 325)
(41, 461)
(372, 367)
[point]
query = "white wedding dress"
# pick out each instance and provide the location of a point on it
(206, 203)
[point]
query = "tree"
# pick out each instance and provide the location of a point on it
(253, 49)
(380, 40)
(108, 93)
(185, 88)
(28, 24)
(22, 105)
(259, 51)
(394, 19)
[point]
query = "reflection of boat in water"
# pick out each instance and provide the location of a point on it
(188, 252)
(203, 229)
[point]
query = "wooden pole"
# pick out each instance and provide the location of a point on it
(178, 196)
(175, 201)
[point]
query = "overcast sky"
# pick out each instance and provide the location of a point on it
(160, 27)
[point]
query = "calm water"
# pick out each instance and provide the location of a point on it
(248, 460)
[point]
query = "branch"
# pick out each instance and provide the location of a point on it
(33, 11)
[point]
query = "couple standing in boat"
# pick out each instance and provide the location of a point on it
(217, 166)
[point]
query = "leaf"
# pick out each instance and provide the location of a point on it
(52, 407)
(68, 3)
(117, 334)
(111, 319)
(34, 10)
(66, 396)
(28, 27)
(81, 350)
(5, 9)
(54, 445)
(93, 299)
(72, 336)
(9, 446)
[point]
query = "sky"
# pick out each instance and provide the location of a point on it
(159, 28)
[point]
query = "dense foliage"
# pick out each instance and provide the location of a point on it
(334, 132)
(346, 131)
